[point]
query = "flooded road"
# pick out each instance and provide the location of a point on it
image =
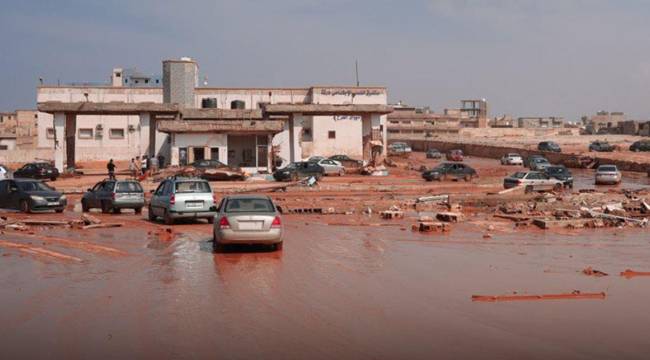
(334, 292)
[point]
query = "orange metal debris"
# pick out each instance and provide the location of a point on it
(576, 295)
(631, 273)
(589, 271)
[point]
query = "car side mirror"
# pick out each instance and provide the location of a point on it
(214, 208)
(89, 189)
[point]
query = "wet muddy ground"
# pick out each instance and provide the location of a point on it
(334, 292)
(378, 292)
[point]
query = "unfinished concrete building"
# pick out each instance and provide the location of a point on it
(542, 122)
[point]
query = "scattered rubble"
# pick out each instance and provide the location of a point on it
(589, 271)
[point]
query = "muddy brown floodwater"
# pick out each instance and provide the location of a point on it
(333, 293)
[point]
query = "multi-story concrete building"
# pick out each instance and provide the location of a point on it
(21, 126)
(245, 127)
(476, 111)
(533, 122)
(604, 121)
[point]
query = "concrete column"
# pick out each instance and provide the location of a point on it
(366, 134)
(295, 129)
(144, 133)
(270, 153)
(59, 141)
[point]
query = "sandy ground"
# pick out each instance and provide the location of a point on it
(336, 291)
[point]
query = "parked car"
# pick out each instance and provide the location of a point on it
(347, 161)
(601, 146)
(549, 146)
(247, 219)
(532, 181)
(37, 170)
(215, 170)
(182, 198)
(512, 159)
(331, 167)
(641, 145)
(539, 164)
(434, 154)
(608, 175)
(4, 172)
(446, 171)
(399, 148)
(114, 195)
(530, 158)
(29, 195)
(455, 155)
(561, 173)
(298, 170)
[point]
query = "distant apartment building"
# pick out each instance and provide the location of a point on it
(19, 130)
(603, 121)
(550, 122)
(505, 121)
(476, 111)
(408, 121)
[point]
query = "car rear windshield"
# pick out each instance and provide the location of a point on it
(128, 187)
(33, 186)
(607, 168)
(519, 175)
(557, 170)
(192, 187)
(249, 205)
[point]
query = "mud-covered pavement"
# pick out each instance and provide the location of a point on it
(334, 292)
(371, 289)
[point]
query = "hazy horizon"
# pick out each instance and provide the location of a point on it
(527, 58)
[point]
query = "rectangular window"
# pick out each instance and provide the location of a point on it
(331, 134)
(85, 133)
(116, 133)
(50, 133)
(4, 147)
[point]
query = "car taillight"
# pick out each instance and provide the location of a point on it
(172, 199)
(223, 223)
(276, 222)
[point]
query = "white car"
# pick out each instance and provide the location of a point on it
(532, 181)
(608, 175)
(512, 159)
(331, 167)
(4, 173)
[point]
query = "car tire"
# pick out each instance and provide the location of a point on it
(168, 219)
(467, 177)
(117, 210)
(557, 187)
(105, 207)
(278, 246)
(151, 215)
(216, 246)
(25, 206)
(528, 189)
(138, 210)
(52, 179)
(84, 206)
(58, 211)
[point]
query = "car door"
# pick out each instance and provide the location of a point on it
(156, 199)
(328, 166)
(106, 192)
(91, 196)
(13, 197)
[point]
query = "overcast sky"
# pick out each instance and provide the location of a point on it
(527, 57)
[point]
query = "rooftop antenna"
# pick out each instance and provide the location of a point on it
(356, 70)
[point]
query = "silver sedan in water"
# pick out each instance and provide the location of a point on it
(247, 219)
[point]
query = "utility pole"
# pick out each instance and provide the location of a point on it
(356, 69)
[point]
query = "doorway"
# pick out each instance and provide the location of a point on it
(199, 153)
(182, 156)
(214, 153)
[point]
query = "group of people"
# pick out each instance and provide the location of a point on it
(139, 166)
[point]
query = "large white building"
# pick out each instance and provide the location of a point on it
(246, 127)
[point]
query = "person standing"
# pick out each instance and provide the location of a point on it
(143, 165)
(111, 169)
(153, 165)
(133, 168)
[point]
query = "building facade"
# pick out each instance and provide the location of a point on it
(202, 127)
